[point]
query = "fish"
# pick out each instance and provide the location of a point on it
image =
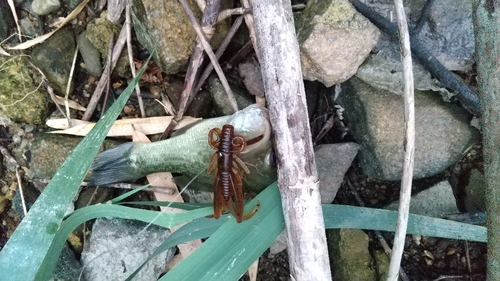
(188, 152)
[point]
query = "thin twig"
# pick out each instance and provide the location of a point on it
(232, 12)
(243, 52)
(409, 145)
(249, 22)
(134, 186)
(423, 17)
(131, 59)
(20, 186)
(204, 75)
(210, 53)
(117, 50)
(108, 71)
(50, 90)
(191, 75)
(68, 85)
(209, 19)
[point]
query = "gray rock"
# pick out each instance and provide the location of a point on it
(117, 247)
(55, 56)
(474, 192)
(376, 120)
(221, 103)
(448, 34)
(99, 32)
(436, 201)
(163, 27)
(381, 264)
(6, 20)
(334, 40)
(349, 254)
(68, 267)
(90, 55)
(332, 162)
(21, 97)
(27, 27)
(48, 152)
(45, 7)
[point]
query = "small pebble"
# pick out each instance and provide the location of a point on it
(29, 128)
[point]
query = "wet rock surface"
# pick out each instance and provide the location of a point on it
(442, 131)
(117, 247)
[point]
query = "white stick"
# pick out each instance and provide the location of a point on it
(409, 145)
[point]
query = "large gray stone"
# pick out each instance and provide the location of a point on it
(117, 247)
(54, 57)
(332, 162)
(334, 40)
(436, 201)
(376, 118)
(448, 34)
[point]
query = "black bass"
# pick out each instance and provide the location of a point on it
(188, 152)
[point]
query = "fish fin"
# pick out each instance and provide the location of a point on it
(113, 165)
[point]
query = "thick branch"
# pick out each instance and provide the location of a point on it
(486, 25)
(278, 52)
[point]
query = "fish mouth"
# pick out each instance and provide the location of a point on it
(253, 124)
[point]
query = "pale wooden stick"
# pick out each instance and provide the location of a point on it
(409, 145)
(297, 177)
(131, 59)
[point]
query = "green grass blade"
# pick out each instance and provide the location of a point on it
(27, 247)
(197, 229)
(342, 216)
(80, 216)
(228, 253)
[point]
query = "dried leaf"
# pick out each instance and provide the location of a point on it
(42, 38)
(71, 104)
(120, 128)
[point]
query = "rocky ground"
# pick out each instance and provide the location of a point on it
(368, 110)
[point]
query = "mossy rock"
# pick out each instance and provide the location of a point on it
(21, 97)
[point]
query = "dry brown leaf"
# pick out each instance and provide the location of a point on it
(71, 103)
(120, 128)
(164, 179)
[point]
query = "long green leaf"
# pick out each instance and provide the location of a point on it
(80, 216)
(197, 229)
(27, 247)
(230, 251)
(342, 216)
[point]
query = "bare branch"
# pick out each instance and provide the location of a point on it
(409, 145)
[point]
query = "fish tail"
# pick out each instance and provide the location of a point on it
(113, 165)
